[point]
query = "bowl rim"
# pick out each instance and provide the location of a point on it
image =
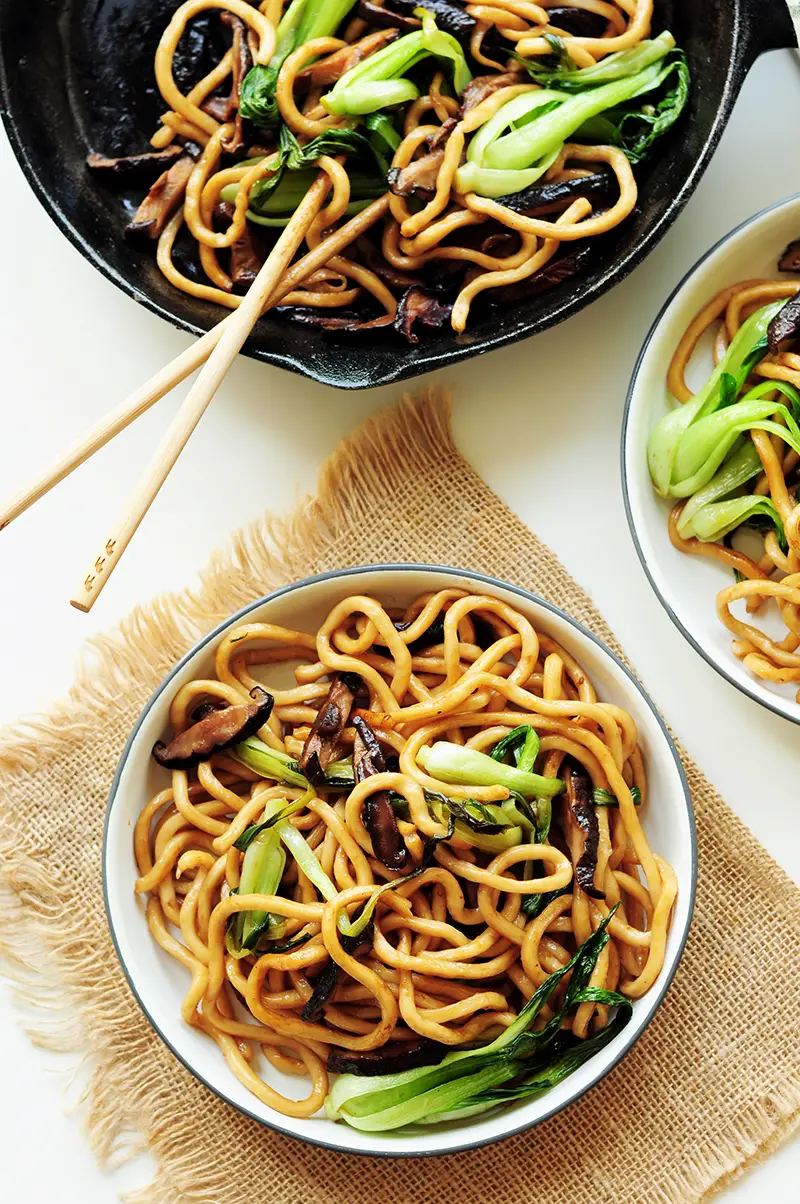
(484, 579)
(717, 666)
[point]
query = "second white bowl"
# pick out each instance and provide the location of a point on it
(688, 585)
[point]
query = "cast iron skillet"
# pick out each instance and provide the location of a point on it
(77, 75)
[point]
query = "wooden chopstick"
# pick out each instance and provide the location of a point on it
(136, 404)
(141, 400)
(236, 329)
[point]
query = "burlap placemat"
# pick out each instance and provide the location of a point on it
(712, 1086)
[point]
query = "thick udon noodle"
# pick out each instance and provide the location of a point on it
(776, 574)
(516, 246)
(423, 975)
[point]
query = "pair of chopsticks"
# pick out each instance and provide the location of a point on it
(216, 350)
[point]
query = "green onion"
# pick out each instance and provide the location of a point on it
(604, 798)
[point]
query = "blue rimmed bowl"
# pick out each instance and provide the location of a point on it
(687, 586)
(159, 983)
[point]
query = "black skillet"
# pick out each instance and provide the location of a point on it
(77, 75)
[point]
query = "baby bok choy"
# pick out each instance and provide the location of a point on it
(274, 828)
(521, 141)
(706, 442)
(302, 21)
(274, 198)
(721, 389)
(261, 873)
(380, 80)
(701, 450)
(520, 1062)
(462, 766)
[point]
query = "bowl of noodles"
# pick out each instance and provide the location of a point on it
(711, 446)
(399, 860)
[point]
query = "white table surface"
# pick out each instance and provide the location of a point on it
(540, 421)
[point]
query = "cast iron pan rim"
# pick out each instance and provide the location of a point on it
(492, 582)
(693, 642)
(404, 368)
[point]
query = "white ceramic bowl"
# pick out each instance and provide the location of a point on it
(688, 585)
(159, 983)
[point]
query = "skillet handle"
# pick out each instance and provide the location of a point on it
(769, 25)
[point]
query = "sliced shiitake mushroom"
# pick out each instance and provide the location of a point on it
(218, 729)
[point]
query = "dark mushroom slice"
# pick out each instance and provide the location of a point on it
(217, 107)
(390, 1059)
(484, 85)
(379, 817)
(577, 21)
(417, 305)
(785, 324)
(134, 169)
(418, 178)
(382, 268)
(544, 198)
(326, 732)
(329, 977)
(247, 253)
(161, 201)
(790, 259)
(375, 14)
(551, 275)
(328, 70)
(581, 804)
(347, 323)
(444, 131)
(207, 708)
(450, 16)
(216, 731)
(242, 62)
(432, 635)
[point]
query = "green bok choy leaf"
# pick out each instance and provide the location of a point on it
(467, 767)
(621, 65)
(524, 137)
(707, 441)
(379, 81)
(748, 346)
(302, 21)
(464, 1080)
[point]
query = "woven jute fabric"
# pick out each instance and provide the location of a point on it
(712, 1086)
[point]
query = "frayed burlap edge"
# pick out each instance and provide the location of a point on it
(40, 934)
